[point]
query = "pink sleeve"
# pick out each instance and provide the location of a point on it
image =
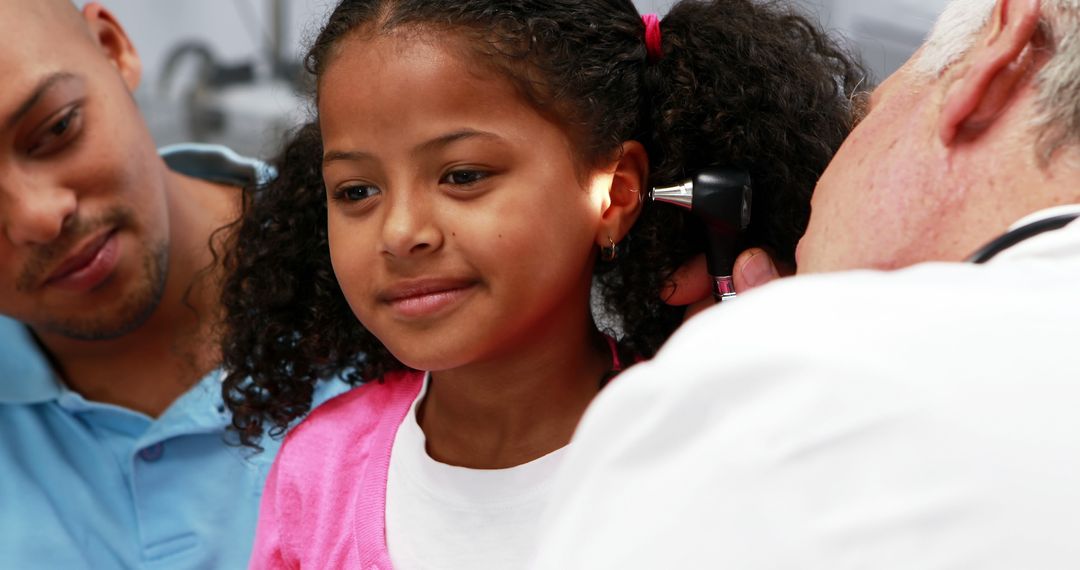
(271, 549)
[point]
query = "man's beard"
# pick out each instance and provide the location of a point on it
(135, 309)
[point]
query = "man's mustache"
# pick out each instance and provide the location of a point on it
(43, 258)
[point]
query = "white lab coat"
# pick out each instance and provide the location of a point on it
(919, 419)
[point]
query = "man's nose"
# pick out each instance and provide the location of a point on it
(35, 214)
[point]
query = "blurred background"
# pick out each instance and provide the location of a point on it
(226, 71)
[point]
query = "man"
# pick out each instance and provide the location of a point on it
(919, 418)
(113, 452)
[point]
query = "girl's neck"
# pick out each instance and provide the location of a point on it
(518, 407)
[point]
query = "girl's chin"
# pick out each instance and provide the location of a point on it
(435, 349)
(431, 361)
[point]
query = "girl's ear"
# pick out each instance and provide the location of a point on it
(114, 42)
(628, 191)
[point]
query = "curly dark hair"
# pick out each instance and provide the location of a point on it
(740, 84)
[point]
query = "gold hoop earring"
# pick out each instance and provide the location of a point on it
(608, 253)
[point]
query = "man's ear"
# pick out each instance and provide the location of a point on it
(628, 191)
(113, 40)
(993, 70)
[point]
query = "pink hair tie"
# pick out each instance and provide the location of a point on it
(652, 37)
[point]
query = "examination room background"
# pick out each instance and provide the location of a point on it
(223, 70)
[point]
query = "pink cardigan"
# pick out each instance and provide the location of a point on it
(324, 505)
(328, 478)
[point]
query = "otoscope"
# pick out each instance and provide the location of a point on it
(721, 199)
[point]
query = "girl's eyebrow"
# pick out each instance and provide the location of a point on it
(427, 147)
(343, 155)
(448, 139)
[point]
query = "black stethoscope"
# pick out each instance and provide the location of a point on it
(1024, 232)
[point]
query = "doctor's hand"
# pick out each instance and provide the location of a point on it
(692, 284)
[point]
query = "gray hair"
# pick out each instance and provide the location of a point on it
(1058, 83)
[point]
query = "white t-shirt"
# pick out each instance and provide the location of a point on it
(921, 419)
(446, 517)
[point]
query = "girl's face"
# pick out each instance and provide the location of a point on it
(459, 226)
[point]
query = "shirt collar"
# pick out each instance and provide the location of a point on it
(199, 410)
(26, 376)
(1060, 244)
(216, 163)
(1069, 209)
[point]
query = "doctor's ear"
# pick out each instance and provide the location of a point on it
(114, 43)
(993, 71)
(627, 193)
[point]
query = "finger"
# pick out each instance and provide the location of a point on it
(754, 268)
(690, 283)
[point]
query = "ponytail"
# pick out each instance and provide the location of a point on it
(737, 84)
(755, 87)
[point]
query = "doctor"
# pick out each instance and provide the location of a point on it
(911, 411)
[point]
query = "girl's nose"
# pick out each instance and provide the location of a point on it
(410, 227)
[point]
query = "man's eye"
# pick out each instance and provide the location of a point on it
(58, 134)
(464, 177)
(61, 126)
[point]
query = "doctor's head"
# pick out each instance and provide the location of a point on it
(82, 208)
(978, 129)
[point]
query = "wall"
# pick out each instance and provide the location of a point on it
(885, 32)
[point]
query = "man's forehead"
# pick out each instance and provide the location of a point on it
(41, 35)
(46, 17)
(47, 39)
(63, 8)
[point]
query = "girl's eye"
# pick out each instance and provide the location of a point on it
(464, 177)
(356, 193)
(58, 134)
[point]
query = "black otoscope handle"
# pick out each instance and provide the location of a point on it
(722, 200)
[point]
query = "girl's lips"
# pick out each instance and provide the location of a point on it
(89, 267)
(425, 298)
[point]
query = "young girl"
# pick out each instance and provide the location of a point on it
(472, 188)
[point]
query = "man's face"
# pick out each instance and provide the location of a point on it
(83, 216)
(882, 202)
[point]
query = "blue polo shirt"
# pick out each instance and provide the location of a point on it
(97, 486)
